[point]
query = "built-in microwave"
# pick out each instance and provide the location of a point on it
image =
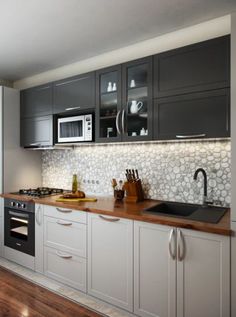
(75, 129)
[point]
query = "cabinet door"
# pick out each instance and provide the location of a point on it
(197, 67)
(39, 238)
(203, 274)
(68, 236)
(108, 104)
(110, 260)
(198, 115)
(66, 268)
(37, 131)
(36, 101)
(136, 117)
(76, 93)
(154, 270)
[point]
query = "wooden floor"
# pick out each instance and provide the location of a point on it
(20, 298)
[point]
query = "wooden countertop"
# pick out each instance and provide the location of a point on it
(108, 206)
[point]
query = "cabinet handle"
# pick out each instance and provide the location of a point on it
(190, 136)
(123, 121)
(171, 238)
(181, 245)
(35, 144)
(117, 122)
(64, 210)
(64, 255)
(109, 219)
(38, 217)
(64, 223)
(72, 108)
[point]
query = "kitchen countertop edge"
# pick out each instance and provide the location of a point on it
(133, 211)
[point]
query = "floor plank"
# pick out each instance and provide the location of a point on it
(21, 298)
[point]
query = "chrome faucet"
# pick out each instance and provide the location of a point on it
(205, 202)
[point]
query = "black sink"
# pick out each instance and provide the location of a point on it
(209, 214)
(174, 209)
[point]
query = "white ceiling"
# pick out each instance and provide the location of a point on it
(39, 35)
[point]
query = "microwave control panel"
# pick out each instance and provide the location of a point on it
(88, 135)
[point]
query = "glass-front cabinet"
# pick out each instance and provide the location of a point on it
(108, 104)
(124, 102)
(137, 100)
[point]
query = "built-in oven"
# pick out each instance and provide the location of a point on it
(19, 226)
(75, 129)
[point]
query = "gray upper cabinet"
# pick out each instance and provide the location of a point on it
(36, 101)
(75, 93)
(198, 115)
(198, 67)
(37, 131)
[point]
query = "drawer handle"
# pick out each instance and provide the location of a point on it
(72, 108)
(64, 255)
(63, 223)
(64, 210)
(190, 136)
(109, 219)
(35, 144)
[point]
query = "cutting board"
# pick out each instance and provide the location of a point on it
(76, 200)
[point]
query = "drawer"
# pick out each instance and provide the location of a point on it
(65, 235)
(65, 268)
(65, 213)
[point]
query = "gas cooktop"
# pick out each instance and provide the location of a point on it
(40, 191)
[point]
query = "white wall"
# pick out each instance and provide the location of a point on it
(200, 32)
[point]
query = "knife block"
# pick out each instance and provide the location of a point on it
(134, 191)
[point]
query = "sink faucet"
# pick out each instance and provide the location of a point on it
(205, 183)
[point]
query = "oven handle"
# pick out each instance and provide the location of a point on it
(23, 215)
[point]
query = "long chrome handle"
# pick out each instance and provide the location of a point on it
(179, 136)
(109, 219)
(64, 210)
(64, 223)
(38, 217)
(72, 108)
(117, 122)
(123, 121)
(171, 239)
(63, 255)
(181, 245)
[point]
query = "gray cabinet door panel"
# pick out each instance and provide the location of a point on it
(37, 131)
(76, 93)
(200, 115)
(198, 67)
(36, 101)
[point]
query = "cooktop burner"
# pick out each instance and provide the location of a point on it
(40, 191)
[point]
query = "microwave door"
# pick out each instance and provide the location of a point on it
(71, 129)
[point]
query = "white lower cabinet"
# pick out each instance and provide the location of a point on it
(154, 271)
(65, 246)
(203, 276)
(179, 272)
(39, 237)
(66, 235)
(110, 260)
(65, 267)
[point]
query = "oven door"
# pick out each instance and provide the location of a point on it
(19, 230)
(71, 129)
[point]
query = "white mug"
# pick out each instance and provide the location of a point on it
(135, 106)
(134, 133)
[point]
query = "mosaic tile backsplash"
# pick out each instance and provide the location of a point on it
(166, 169)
